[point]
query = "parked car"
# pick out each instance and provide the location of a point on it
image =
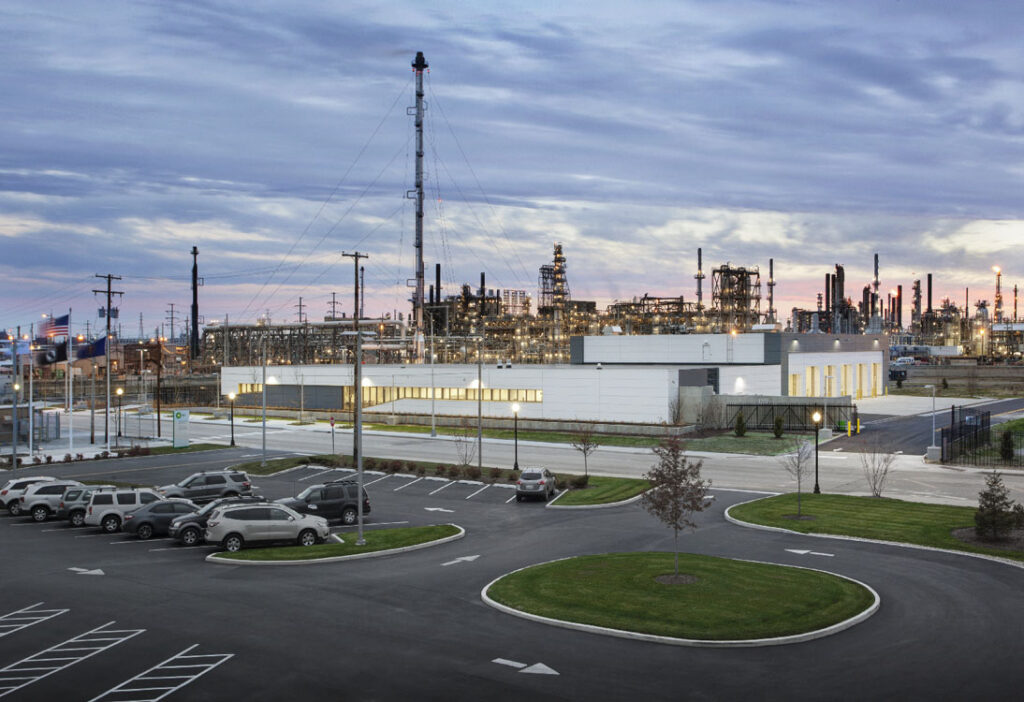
(15, 488)
(75, 501)
(107, 509)
(41, 500)
(334, 500)
(155, 518)
(189, 529)
(209, 485)
(536, 482)
(235, 526)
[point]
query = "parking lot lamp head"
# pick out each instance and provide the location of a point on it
(817, 420)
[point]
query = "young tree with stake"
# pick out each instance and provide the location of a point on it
(798, 463)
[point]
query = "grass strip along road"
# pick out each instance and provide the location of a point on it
(376, 540)
(730, 600)
(869, 518)
(600, 491)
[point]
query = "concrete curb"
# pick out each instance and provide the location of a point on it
(216, 558)
(841, 537)
(695, 643)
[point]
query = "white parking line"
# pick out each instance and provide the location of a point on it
(377, 480)
(479, 491)
(46, 531)
(164, 678)
(353, 526)
(139, 541)
(448, 484)
(26, 617)
(510, 499)
(319, 472)
(91, 536)
(402, 487)
(14, 676)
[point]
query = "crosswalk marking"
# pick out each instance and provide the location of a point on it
(26, 617)
(147, 686)
(13, 676)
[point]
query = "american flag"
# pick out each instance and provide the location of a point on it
(55, 326)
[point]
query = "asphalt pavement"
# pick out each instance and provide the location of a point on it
(414, 626)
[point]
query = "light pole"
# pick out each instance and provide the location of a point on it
(231, 396)
(817, 419)
(931, 444)
(515, 433)
(120, 394)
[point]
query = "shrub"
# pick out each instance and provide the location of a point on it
(78, 457)
(440, 469)
(454, 472)
(36, 460)
(513, 475)
(578, 482)
(473, 472)
(778, 427)
(945, 384)
(421, 470)
(67, 458)
(369, 464)
(397, 466)
(412, 467)
(49, 459)
(495, 474)
(899, 383)
(1006, 446)
(996, 513)
(741, 425)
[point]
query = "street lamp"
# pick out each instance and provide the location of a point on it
(231, 396)
(931, 444)
(515, 433)
(120, 394)
(817, 419)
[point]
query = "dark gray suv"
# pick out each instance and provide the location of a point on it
(202, 487)
(334, 500)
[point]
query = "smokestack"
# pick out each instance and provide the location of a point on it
(431, 294)
(828, 302)
(699, 277)
(899, 307)
(437, 284)
(929, 293)
(771, 292)
(483, 290)
(194, 338)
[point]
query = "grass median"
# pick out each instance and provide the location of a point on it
(601, 490)
(376, 540)
(870, 518)
(729, 600)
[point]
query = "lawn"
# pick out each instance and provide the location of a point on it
(376, 540)
(602, 490)
(870, 518)
(730, 600)
(160, 450)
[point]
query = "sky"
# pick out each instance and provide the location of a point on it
(274, 136)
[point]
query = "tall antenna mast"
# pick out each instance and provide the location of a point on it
(419, 66)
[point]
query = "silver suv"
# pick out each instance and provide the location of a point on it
(75, 501)
(536, 482)
(235, 526)
(42, 500)
(200, 487)
(15, 488)
(107, 509)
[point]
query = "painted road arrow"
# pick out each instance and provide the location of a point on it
(809, 552)
(462, 559)
(535, 669)
(438, 509)
(86, 571)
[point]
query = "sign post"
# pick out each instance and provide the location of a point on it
(332, 435)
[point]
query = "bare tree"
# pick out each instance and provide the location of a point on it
(465, 445)
(798, 463)
(677, 490)
(876, 463)
(675, 411)
(583, 441)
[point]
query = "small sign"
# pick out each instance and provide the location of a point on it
(180, 429)
(332, 421)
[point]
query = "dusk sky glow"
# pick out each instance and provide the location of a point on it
(274, 136)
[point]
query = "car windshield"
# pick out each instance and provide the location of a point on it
(532, 475)
(209, 507)
(185, 482)
(312, 489)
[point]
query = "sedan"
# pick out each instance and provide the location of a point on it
(156, 517)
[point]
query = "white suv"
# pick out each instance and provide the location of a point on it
(13, 489)
(107, 509)
(42, 500)
(236, 525)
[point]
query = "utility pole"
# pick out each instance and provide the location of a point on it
(419, 65)
(357, 398)
(171, 318)
(301, 307)
(334, 305)
(107, 350)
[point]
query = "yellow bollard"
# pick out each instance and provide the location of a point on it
(858, 425)
(849, 427)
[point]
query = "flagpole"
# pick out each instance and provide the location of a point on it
(71, 392)
(31, 377)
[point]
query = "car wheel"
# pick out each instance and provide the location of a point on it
(307, 537)
(349, 516)
(110, 524)
(14, 508)
(144, 531)
(190, 537)
(232, 543)
(40, 514)
(77, 518)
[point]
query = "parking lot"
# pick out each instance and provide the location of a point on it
(93, 616)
